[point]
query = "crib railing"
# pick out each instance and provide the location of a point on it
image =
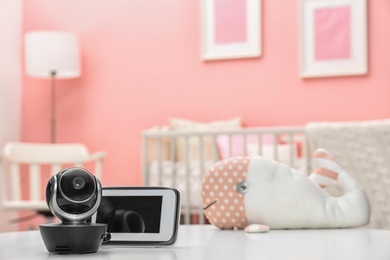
(171, 155)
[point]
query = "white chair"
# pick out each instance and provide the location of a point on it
(38, 157)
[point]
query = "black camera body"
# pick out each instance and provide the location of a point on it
(73, 195)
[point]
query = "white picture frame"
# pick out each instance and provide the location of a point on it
(345, 23)
(247, 48)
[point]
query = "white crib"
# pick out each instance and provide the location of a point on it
(178, 159)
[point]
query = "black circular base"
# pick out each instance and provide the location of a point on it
(73, 238)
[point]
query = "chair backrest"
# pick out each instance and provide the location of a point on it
(37, 156)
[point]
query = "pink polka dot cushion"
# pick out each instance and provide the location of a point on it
(240, 191)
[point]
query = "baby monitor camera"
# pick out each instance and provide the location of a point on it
(73, 196)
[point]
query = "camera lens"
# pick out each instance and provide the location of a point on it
(77, 184)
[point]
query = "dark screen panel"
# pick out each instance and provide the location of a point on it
(130, 214)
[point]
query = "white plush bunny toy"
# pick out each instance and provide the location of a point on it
(240, 191)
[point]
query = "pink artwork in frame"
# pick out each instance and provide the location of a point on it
(332, 33)
(230, 21)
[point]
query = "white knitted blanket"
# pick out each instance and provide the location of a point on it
(363, 149)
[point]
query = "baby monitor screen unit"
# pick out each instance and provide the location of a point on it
(139, 215)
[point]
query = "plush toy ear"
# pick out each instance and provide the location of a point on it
(327, 170)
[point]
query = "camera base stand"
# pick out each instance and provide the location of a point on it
(73, 238)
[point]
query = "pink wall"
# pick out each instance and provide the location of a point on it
(141, 65)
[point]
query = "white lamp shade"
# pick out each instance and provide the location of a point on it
(52, 51)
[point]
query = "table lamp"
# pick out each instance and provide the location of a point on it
(53, 55)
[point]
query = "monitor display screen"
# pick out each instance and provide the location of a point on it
(130, 214)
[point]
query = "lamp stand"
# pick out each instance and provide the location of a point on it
(53, 107)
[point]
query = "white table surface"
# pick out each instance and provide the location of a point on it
(206, 242)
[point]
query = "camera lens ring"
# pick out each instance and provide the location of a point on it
(64, 172)
(78, 183)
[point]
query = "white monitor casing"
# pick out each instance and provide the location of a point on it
(169, 220)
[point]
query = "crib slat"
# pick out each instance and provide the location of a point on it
(201, 155)
(260, 144)
(198, 208)
(145, 165)
(159, 159)
(172, 159)
(187, 209)
(291, 147)
(230, 145)
(245, 145)
(215, 148)
(276, 154)
(306, 154)
(201, 169)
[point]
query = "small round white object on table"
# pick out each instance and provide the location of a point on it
(256, 228)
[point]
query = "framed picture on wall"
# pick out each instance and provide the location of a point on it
(231, 29)
(333, 37)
